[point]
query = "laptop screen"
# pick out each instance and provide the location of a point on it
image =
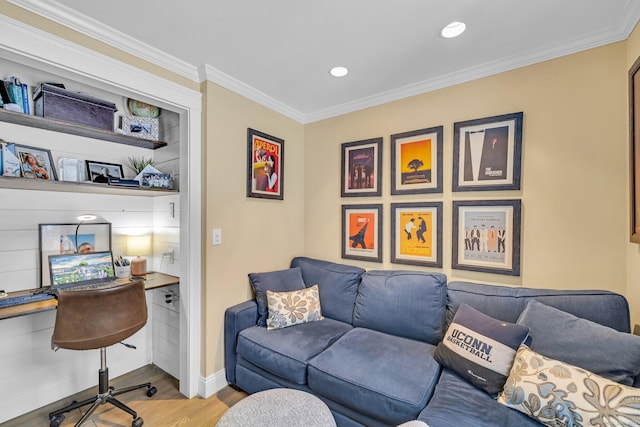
(80, 269)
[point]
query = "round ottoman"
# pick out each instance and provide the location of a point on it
(278, 406)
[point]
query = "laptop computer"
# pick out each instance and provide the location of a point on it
(86, 270)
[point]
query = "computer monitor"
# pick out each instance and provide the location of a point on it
(80, 269)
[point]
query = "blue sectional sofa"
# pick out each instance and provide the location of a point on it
(370, 359)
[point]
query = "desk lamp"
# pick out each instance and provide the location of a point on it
(139, 246)
(82, 218)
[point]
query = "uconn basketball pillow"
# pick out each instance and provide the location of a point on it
(480, 349)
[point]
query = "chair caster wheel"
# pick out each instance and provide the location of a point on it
(56, 421)
(137, 422)
(151, 392)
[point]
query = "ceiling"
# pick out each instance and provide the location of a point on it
(279, 52)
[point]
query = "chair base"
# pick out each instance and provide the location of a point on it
(108, 396)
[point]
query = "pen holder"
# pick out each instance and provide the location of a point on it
(123, 272)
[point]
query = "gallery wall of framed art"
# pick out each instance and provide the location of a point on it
(486, 155)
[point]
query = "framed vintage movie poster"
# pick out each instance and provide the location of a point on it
(361, 232)
(487, 153)
(634, 151)
(486, 236)
(360, 171)
(416, 161)
(416, 234)
(265, 165)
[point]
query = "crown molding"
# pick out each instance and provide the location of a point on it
(65, 16)
(88, 26)
(207, 72)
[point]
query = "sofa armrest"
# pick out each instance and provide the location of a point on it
(236, 318)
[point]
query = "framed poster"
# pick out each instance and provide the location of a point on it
(416, 234)
(362, 232)
(265, 165)
(416, 161)
(487, 153)
(57, 239)
(35, 163)
(486, 236)
(634, 151)
(361, 172)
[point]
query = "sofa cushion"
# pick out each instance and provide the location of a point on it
(384, 377)
(480, 348)
(285, 352)
(563, 336)
(338, 284)
(410, 304)
(293, 307)
(279, 281)
(553, 393)
(457, 403)
(506, 302)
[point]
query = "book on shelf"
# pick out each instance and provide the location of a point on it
(25, 99)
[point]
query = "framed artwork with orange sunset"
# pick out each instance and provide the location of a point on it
(416, 161)
(362, 232)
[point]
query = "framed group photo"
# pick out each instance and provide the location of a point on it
(59, 239)
(416, 233)
(416, 161)
(486, 236)
(362, 232)
(361, 172)
(487, 153)
(265, 165)
(101, 171)
(35, 163)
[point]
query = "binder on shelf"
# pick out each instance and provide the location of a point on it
(25, 99)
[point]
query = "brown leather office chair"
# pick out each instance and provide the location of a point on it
(95, 319)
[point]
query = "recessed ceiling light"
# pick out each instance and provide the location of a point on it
(452, 30)
(339, 71)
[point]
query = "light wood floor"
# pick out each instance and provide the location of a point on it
(168, 408)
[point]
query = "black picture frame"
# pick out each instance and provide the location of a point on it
(487, 153)
(361, 168)
(57, 239)
(416, 161)
(482, 253)
(420, 244)
(265, 165)
(634, 152)
(96, 171)
(359, 240)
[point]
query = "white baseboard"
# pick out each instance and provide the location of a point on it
(212, 384)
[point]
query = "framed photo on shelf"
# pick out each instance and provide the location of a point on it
(265, 165)
(486, 236)
(35, 163)
(141, 127)
(634, 151)
(361, 172)
(416, 233)
(416, 161)
(487, 153)
(362, 232)
(58, 239)
(101, 171)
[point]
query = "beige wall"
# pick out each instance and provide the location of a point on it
(574, 177)
(257, 234)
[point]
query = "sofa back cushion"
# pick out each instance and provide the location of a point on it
(337, 284)
(410, 304)
(507, 303)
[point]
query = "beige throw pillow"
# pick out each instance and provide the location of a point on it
(293, 308)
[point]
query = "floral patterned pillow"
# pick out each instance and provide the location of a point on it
(293, 308)
(558, 394)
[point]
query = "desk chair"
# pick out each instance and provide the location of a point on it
(95, 319)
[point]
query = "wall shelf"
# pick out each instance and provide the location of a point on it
(74, 129)
(79, 187)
